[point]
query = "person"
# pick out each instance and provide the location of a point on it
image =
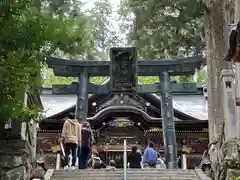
(95, 162)
(112, 165)
(70, 138)
(234, 44)
(150, 156)
(85, 145)
(141, 163)
(205, 164)
(134, 158)
(160, 163)
(39, 171)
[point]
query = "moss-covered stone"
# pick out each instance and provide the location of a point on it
(15, 159)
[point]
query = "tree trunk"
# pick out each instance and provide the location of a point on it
(216, 42)
(237, 65)
(216, 34)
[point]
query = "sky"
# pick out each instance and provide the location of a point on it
(90, 3)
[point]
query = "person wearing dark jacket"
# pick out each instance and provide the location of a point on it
(134, 158)
(85, 145)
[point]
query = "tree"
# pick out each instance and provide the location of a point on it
(216, 41)
(49, 78)
(216, 34)
(103, 36)
(102, 27)
(237, 18)
(29, 31)
(166, 30)
(201, 77)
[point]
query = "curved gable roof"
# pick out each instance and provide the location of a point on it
(191, 107)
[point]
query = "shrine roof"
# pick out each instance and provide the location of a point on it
(193, 106)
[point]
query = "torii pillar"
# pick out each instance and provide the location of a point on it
(169, 134)
(82, 97)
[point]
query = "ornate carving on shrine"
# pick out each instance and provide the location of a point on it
(121, 122)
(123, 69)
(119, 100)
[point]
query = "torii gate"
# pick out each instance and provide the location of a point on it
(123, 70)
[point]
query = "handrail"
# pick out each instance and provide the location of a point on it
(184, 161)
(125, 159)
(48, 174)
(58, 161)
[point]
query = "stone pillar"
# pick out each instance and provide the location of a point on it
(169, 135)
(15, 159)
(82, 97)
(229, 103)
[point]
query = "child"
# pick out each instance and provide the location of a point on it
(112, 165)
(95, 162)
(39, 171)
(160, 163)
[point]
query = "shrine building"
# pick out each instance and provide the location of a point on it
(171, 115)
(111, 127)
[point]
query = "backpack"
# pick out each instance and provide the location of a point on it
(96, 163)
(234, 44)
(86, 137)
(237, 56)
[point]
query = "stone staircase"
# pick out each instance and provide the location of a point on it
(138, 174)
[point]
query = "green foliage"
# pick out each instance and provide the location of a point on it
(168, 28)
(148, 79)
(98, 80)
(202, 77)
(49, 78)
(30, 30)
(100, 35)
(104, 33)
(164, 29)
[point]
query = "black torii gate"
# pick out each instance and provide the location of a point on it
(123, 70)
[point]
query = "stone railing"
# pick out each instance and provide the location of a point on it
(17, 151)
(225, 150)
(15, 159)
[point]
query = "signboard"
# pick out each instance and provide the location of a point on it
(123, 69)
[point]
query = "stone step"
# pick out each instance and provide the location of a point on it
(145, 171)
(130, 174)
(112, 174)
(128, 178)
(143, 174)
